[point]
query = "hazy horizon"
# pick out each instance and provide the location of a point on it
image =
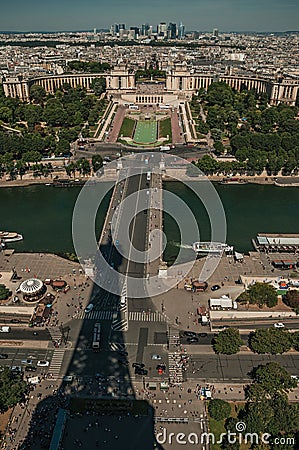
(201, 15)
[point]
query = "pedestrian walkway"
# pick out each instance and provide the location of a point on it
(56, 362)
(175, 368)
(145, 316)
(55, 333)
(119, 323)
(117, 346)
(173, 337)
(94, 315)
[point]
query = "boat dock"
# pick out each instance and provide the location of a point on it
(276, 242)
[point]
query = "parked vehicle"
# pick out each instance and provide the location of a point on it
(156, 357)
(3, 355)
(30, 369)
(27, 361)
(136, 365)
(192, 340)
(140, 371)
(89, 307)
(189, 334)
(215, 287)
(43, 363)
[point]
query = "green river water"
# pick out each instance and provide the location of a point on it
(43, 214)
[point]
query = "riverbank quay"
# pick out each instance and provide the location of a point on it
(171, 174)
(180, 306)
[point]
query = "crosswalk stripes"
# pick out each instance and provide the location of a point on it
(117, 346)
(144, 316)
(175, 368)
(120, 322)
(55, 334)
(173, 337)
(94, 315)
(56, 362)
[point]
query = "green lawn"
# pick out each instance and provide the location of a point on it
(165, 129)
(127, 127)
(216, 427)
(145, 132)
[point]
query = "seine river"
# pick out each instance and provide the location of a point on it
(43, 214)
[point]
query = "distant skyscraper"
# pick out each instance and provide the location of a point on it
(114, 29)
(171, 31)
(162, 29)
(215, 32)
(144, 29)
(181, 31)
(121, 26)
(136, 30)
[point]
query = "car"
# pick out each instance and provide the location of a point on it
(30, 369)
(16, 369)
(161, 366)
(42, 363)
(15, 321)
(68, 378)
(138, 365)
(215, 287)
(192, 340)
(140, 371)
(3, 355)
(202, 334)
(123, 352)
(278, 325)
(27, 361)
(123, 362)
(89, 307)
(189, 334)
(156, 357)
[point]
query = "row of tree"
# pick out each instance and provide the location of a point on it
(84, 167)
(265, 340)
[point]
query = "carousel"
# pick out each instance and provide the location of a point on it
(32, 289)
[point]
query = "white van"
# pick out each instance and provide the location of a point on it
(5, 329)
(33, 380)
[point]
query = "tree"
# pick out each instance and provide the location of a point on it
(63, 147)
(98, 85)
(271, 379)
(219, 409)
(97, 162)
(220, 93)
(12, 389)
(262, 294)
(227, 342)
(271, 340)
(37, 94)
(5, 293)
(292, 299)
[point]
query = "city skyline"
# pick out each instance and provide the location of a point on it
(226, 15)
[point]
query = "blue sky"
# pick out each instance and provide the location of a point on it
(51, 15)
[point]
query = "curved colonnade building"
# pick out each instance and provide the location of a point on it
(180, 85)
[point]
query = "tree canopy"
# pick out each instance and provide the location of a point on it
(228, 341)
(12, 389)
(260, 294)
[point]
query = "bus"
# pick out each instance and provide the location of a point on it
(96, 337)
(148, 176)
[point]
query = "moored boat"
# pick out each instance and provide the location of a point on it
(8, 236)
(205, 248)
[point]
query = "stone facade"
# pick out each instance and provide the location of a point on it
(180, 85)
